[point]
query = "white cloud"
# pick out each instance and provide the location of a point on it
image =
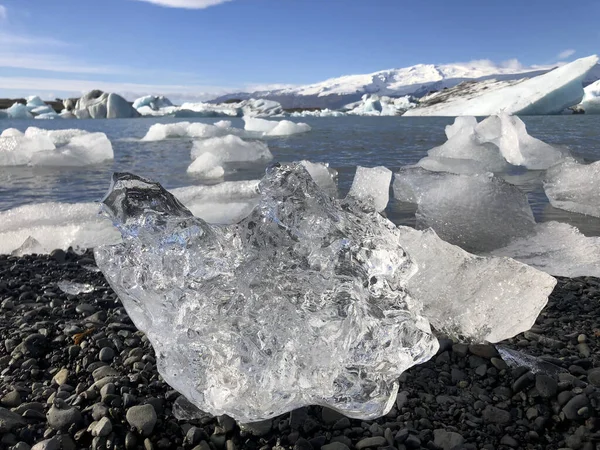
(187, 4)
(55, 63)
(566, 53)
(3, 12)
(22, 40)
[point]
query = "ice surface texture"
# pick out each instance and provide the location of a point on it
(574, 187)
(300, 303)
(37, 147)
(472, 298)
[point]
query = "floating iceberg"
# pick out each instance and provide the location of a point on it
(489, 146)
(318, 113)
(574, 187)
(37, 147)
(550, 93)
(154, 102)
(375, 105)
(210, 154)
(273, 127)
(161, 131)
(476, 212)
(590, 103)
(558, 249)
(300, 303)
(103, 105)
(470, 297)
(18, 111)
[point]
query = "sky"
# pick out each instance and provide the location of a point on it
(198, 49)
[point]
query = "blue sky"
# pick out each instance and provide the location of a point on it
(194, 49)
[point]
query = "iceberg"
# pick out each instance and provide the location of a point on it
(161, 131)
(34, 102)
(154, 102)
(476, 212)
(103, 105)
(472, 298)
(37, 147)
(318, 113)
(558, 249)
(550, 93)
(18, 111)
(590, 103)
(375, 105)
(274, 128)
(210, 154)
(301, 303)
(574, 187)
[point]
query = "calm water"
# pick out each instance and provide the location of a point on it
(343, 142)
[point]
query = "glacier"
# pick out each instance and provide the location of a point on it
(38, 147)
(300, 303)
(574, 187)
(550, 93)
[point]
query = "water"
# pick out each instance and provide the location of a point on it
(343, 142)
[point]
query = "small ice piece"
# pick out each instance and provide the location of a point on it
(371, 186)
(273, 127)
(232, 149)
(574, 187)
(476, 212)
(29, 247)
(473, 298)
(515, 358)
(73, 288)
(323, 175)
(558, 249)
(301, 303)
(509, 134)
(183, 409)
(207, 166)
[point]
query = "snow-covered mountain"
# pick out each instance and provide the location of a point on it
(415, 80)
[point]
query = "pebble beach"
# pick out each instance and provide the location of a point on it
(75, 373)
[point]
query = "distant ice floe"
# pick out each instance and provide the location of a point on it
(210, 154)
(550, 93)
(161, 131)
(274, 128)
(375, 105)
(574, 187)
(318, 113)
(38, 147)
(490, 146)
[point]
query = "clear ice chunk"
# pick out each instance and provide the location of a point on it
(476, 212)
(516, 358)
(301, 303)
(323, 175)
(473, 298)
(574, 187)
(371, 186)
(73, 288)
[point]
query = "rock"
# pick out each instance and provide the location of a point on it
(142, 418)
(594, 376)
(106, 354)
(9, 420)
(63, 417)
(11, 400)
(447, 440)
(330, 416)
(376, 441)
(484, 350)
(509, 441)
(335, 446)
(572, 407)
(546, 386)
(102, 428)
(491, 414)
(48, 444)
(61, 377)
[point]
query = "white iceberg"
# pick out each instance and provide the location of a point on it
(550, 93)
(454, 299)
(209, 155)
(318, 113)
(274, 128)
(18, 111)
(154, 102)
(161, 131)
(574, 187)
(37, 147)
(476, 212)
(590, 103)
(375, 105)
(558, 249)
(103, 105)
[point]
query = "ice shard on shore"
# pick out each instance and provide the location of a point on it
(574, 187)
(302, 302)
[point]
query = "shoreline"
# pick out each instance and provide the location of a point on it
(99, 392)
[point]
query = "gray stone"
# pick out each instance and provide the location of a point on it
(375, 441)
(142, 418)
(335, 446)
(11, 400)
(9, 420)
(63, 417)
(447, 440)
(330, 416)
(257, 428)
(546, 386)
(61, 376)
(106, 354)
(491, 414)
(509, 441)
(487, 351)
(102, 428)
(574, 405)
(594, 376)
(48, 444)
(103, 372)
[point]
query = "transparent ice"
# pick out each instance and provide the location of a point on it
(300, 303)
